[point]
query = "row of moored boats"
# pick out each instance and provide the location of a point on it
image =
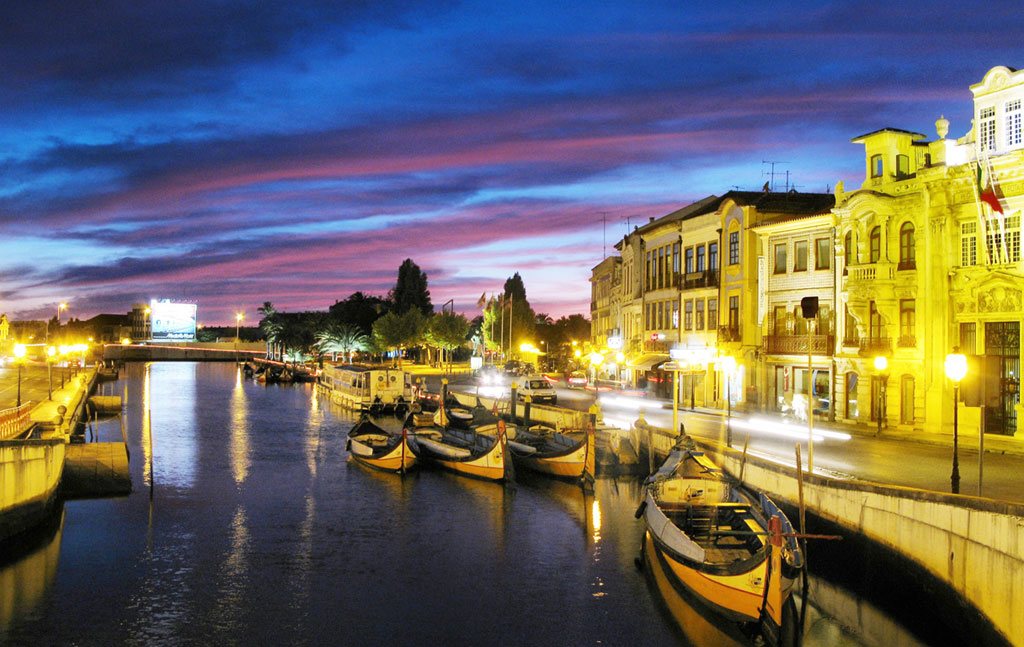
(708, 536)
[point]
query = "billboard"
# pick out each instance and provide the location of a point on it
(172, 321)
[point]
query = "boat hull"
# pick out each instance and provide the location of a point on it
(401, 458)
(573, 463)
(489, 466)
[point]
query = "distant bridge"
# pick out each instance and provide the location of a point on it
(189, 352)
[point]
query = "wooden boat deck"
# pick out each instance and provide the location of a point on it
(727, 531)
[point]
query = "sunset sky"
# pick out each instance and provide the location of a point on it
(232, 153)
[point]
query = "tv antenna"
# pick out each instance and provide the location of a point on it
(771, 173)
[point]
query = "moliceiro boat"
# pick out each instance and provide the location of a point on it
(480, 453)
(377, 390)
(376, 447)
(560, 454)
(729, 546)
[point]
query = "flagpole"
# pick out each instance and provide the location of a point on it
(1001, 218)
(976, 189)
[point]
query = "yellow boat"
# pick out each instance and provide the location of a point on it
(375, 447)
(731, 547)
(564, 455)
(480, 453)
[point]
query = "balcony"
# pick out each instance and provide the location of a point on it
(875, 346)
(728, 333)
(694, 280)
(907, 341)
(797, 344)
(906, 265)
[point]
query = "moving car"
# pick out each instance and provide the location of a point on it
(578, 380)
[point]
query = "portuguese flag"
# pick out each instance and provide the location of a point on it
(987, 193)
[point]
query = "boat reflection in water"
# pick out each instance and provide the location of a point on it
(27, 573)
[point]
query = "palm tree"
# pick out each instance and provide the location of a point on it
(341, 338)
(270, 324)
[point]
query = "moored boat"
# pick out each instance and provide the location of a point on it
(559, 454)
(376, 447)
(377, 390)
(730, 546)
(480, 453)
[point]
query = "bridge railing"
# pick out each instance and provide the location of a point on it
(15, 421)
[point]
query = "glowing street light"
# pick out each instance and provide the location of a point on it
(956, 370)
(882, 366)
(19, 358)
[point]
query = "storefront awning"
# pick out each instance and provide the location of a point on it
(647, 362)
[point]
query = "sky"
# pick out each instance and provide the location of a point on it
(232, 153)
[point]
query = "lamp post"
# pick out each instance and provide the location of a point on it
(956, 369)
(882, 366)
(728, 366)
(19, 358)
(238, 322)
(50, 353)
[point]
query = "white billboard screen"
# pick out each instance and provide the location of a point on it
(173, 321)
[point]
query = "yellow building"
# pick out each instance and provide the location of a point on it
(928, 267)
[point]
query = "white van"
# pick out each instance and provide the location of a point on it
(538, 388)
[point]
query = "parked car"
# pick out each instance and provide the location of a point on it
(577, 380)
(538, 388)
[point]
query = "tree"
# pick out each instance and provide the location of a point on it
(410, 290)
(399, 331)
(341, 338)
(447, 331)
(359, 309)
(510, 312)
(270, 326)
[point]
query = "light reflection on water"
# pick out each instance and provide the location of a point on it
(261, 530)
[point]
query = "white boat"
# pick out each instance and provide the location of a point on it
(361, 388)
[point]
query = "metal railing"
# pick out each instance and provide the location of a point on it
(797, 344)
(727, 333)
(693, 280)
(876, 346)
(15, 421)
(907, 341)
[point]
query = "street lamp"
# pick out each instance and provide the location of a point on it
(19, 358)
(956, 369)
(728, 366)
(882, 366)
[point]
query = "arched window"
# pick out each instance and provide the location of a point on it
(876, 244)
(851, 396)
(908, 252)
(848, 251)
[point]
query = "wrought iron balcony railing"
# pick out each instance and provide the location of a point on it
(693, 280)
(797, 344)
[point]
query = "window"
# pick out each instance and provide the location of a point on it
(648, 273)
(779, 320)
(700, 258)
(713, 257)
(907, 250)
(734, 247)
(848, 252)
(1013, 123)
(902, 166)
(822, 254)
(675, 261)
(907, 399)
(876, 166)
(712, 314)
(689, 260)
(969, 244)
(876, 244)
(969, 338)
(987, 129)
(688, 315)
(850, 337)
(734, 313)
(799, 323)
(675, 314)
(698, 322)
(874, 322)
(661, 267)
(800, 256)
(780, 258)
(1013, 237)
(907, 323)
(851, 396)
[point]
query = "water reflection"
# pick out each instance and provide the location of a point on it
(27, 575)
(240, 459)
(233, 579)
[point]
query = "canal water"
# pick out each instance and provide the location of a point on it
(248, 524)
